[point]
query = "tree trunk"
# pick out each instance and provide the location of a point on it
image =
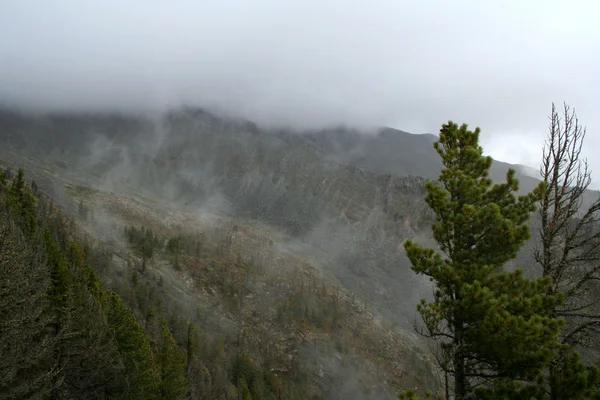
(446, 385)
(556, 380)
(460, 387)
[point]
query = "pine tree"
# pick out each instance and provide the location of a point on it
(2, 179)
(244, 391)
(198, 374)
(172, 365)
(59, 276)
(27, 346)
(22, 202)
(19, 182)
(141, 376)
(493, 326)
(61, 334)
(90, 363)
(574, 380)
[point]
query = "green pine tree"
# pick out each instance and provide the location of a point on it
(244, 391)
(134, 347)
(172, 365)
(27, 365)
(59, 276)
(493, 325)
(575, 380)
(22, 203)
(90, 361)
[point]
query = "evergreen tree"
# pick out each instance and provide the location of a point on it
(493, 326)
(90, 363)
(198, 374)
(27, 365)
(59, 276)
(19, 182)
(141, 377)
(61, 335)
(244, 391)
(22, 202)
(574, 380)
(172, 365)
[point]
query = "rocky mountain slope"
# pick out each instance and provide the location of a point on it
(350, 220)
(319, 212)
(322, 238)
(391, 151)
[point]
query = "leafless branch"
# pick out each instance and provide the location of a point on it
(569, 249)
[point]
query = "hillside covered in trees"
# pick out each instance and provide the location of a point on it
(137, 272)
(110, 320)
(65, 336)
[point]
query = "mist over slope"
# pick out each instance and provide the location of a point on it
(347, 199)
(340, 199)
(391, 151)
(349, 221)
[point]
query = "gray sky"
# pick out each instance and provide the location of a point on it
(412, 65)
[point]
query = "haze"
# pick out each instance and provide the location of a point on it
(306, 64)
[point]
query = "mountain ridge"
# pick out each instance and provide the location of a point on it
(339, 201)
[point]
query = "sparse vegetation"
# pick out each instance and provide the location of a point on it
(222, 265)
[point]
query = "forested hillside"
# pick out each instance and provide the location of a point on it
(112, 321)
(66, 336)
(201, 257)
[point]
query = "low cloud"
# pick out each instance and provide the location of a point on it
(307, 64)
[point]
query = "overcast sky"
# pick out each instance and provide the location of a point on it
(413, 65)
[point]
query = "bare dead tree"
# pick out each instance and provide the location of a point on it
(569, 251)
(569, 246)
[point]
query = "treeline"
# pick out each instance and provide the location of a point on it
(64, 336)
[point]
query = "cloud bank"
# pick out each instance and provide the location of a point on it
(410, 65)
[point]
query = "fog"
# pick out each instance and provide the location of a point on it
(409, 65)
(299, 64)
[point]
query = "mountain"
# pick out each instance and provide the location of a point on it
(321, 240)
(300, 232)
(391, 151)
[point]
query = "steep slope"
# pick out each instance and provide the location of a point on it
(349, 221)
(334, 206)
(391, 151)
(281, 203)
(193, 157)
(237, 282)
